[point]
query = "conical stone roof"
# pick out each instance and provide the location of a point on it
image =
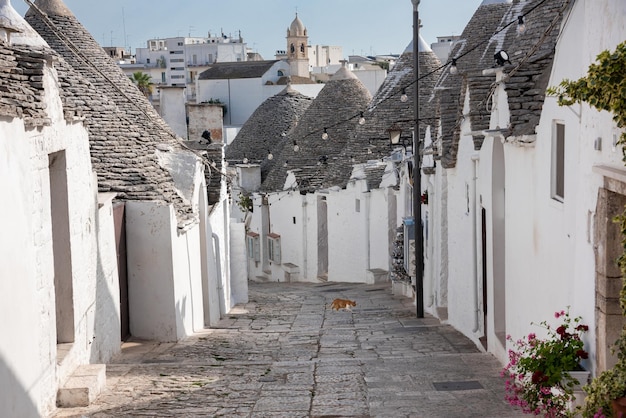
(386, 110)
(127, 137)
(267, 129)
(335, 109)
(451, 88)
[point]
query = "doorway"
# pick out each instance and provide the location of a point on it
(119, 219)
(62, 252)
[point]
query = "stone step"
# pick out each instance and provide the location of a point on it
(83, 386)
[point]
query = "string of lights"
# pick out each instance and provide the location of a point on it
(451, 63)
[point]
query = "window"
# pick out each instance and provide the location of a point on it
(163, 79)
(273, 247)
(357, 205)
(254, 252)
(558, 162)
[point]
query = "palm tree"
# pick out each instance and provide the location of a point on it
(142, 80)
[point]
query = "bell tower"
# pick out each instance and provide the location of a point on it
(297, 48)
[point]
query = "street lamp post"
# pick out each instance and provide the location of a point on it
(417, 170)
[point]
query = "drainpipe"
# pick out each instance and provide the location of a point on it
(218, 267)
(476, 275)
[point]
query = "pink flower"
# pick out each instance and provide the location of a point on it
(531, 336)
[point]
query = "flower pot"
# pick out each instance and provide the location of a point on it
(619, 407)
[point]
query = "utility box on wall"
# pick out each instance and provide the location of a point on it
(409, 246)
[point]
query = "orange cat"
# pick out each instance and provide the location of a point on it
(343, 304)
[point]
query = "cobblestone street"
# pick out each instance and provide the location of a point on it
(287, 354)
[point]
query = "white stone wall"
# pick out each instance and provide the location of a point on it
(29, 373)
(540, 252)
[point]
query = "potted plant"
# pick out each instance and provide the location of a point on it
(540, 375)
(606, 393)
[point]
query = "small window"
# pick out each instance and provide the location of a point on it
(254, 251)
(147, 60)
(273, 248)
(558, 162)
(357, 205)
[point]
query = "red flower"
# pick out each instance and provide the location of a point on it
(582, 354)
(582, 327)
(539, 377)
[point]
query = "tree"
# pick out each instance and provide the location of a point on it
(143, 82)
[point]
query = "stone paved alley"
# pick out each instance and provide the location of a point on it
(287, 354)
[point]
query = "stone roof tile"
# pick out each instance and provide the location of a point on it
(267, 129)
(124, 129)
(235, 70)
(334, 109)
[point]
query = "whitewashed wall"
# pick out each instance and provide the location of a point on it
(219, 220)
(29, 374)
(348, 236)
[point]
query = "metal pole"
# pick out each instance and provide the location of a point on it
(417, 170)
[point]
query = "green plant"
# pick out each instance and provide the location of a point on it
(143, 82)
(603, 88)
(537, 375)
(245, 203)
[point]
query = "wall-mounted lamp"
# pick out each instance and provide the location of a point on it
(296, 147)
(361, 119)
(270, 156)
(394, 135)
(325, 134)
(501, 58)
(206, 135)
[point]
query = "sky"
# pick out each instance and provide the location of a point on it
(360, 27)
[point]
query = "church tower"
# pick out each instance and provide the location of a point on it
(297, 48)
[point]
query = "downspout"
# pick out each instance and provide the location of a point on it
(218, 267)
(475, 273)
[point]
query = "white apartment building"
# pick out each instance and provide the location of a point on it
(178, 61)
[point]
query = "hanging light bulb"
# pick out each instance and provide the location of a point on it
(283, 134)
(296, 147)
(245, 160)
(362, 119)
(325, 134)
(404, 96)
(270, 156)
(521, 25)
(453, 68)
(286, 163)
